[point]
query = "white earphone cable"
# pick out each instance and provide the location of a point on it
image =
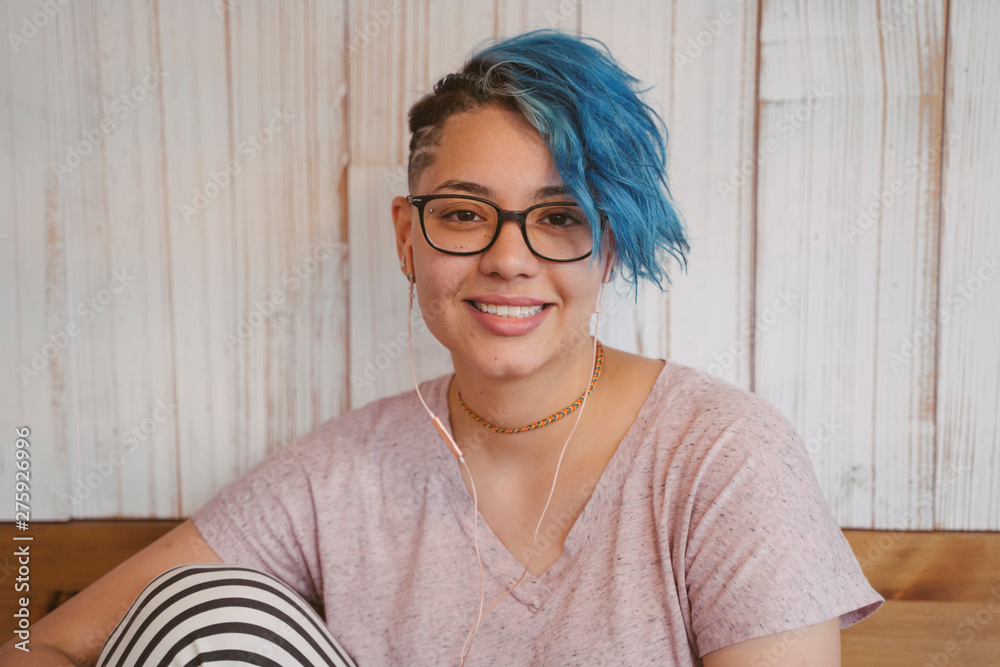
(548, 501)
(457, 452)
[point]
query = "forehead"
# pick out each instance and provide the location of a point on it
(494, 147)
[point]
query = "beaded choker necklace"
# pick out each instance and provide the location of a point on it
(551, 418)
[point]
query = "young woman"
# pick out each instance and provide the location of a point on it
(572, 504)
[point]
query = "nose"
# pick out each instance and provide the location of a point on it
(509, 256)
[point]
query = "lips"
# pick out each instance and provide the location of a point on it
(508, 316)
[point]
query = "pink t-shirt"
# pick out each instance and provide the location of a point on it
(707, 528)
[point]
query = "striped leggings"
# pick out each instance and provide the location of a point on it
(213, 613)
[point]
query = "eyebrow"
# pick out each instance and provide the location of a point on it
(474, 189)
(486, 192)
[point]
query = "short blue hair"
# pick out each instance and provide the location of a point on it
(609, 146)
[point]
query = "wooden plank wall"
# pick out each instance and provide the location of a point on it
(196, 251)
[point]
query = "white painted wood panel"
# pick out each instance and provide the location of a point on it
(380, 362)
(844, 105)
(224, 334)
(288, 91)
(834, 217)
(906, 232)
(699, 61)
(34, 344)
(197, 144)
(121, 394)
(968, 323)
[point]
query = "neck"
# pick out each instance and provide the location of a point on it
(513, 402)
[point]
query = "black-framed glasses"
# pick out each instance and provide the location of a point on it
(464, 225)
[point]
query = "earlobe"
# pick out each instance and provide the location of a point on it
(405, 268)
(609, 269)
(402, 216)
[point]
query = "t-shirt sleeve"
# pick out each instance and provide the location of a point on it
(265, 520)
(764, 553)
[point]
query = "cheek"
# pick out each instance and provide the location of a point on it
(436, 295)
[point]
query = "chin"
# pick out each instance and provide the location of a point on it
(504, 359)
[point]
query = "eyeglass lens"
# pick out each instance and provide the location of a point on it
(457, 224)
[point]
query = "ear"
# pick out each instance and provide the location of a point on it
(610, 258)
(402, 218)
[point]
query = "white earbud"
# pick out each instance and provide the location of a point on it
(609, 273)
(406, 269)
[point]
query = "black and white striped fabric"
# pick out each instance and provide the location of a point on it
(221, 615)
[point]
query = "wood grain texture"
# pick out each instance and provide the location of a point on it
(96, 548)
(34, 345)
(929, 566)
(198, 245)
(289, 260)
(118, 265)
(699, 61)
(380, 363)
(942, 592)
(847, 232)
(968, 320)
(842, 221)
(414, 42)
(909, 633)
(942, 589)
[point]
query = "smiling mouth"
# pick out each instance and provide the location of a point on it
(514, 312)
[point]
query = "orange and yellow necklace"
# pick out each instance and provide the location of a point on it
(598, 364)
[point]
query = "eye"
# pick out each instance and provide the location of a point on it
(464, 215)
(563, 218)
(449, 210)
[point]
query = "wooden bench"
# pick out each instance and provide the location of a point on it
(942, 589)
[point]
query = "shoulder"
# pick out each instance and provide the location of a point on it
(704, 437)
(381, 422)
(707, 409)
(391, 428)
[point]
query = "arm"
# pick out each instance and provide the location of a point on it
(75, 632)
(813, 646)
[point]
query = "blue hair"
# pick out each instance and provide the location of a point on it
(609, 146)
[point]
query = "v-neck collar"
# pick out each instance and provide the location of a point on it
(498, 562)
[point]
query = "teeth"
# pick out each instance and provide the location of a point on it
(508, 311)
